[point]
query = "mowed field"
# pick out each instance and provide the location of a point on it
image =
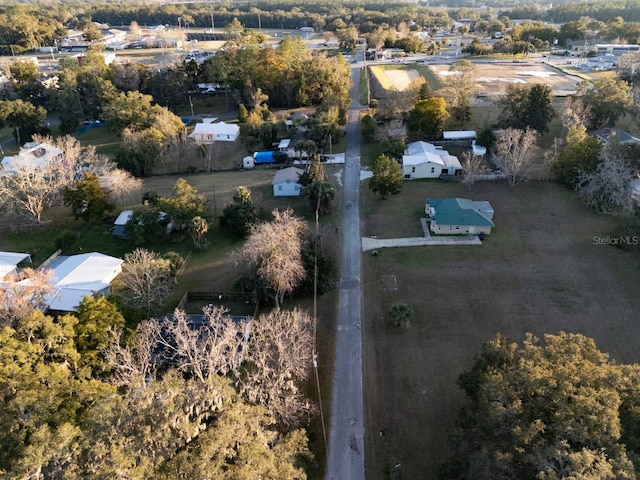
(492, 78)
(538, 272)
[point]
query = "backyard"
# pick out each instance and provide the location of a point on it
(539, 271)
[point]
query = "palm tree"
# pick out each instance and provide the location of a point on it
(321, 193)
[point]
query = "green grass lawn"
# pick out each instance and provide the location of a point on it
(103, 138)
(539, 271)
(423, 70)
(213, 269)
(364, 87)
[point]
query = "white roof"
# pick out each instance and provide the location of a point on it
(124, 217)
(420, 147)
(9, 261)
(422, 158)
(451, 161)
(284, 143)
(81, 275)
(31, 157)
(478, 149)
(459, 134)
(217, 129)
(289, 174)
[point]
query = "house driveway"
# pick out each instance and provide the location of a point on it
(370, 243)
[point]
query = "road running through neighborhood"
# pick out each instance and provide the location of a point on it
(345, 458)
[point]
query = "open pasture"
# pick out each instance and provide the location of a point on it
(543, 269)
(493, 78)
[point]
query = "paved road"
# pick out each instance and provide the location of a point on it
(345, 459)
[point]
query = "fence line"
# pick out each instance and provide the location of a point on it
(184, 264)
(210, 296)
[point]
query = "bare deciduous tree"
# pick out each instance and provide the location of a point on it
(121, 185)
(214, 346)
(146, 280)
(280, 357)
(275, 248)
(574, 113)
(31, 189)
(131, 365)
(472, 165)
(23, 293)
(77, 158)
(516, 149)
(458, 87)
(607, 190)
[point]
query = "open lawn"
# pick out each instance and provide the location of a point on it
(385, 78)
(104, 139)
(539, 271)
(493, 78)
(212, 269)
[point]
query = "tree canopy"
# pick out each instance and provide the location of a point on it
(557, 409)
(428, 117)
(606, 100)
(387, 177)
(526, 107)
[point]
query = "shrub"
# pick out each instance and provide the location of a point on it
(66, 241)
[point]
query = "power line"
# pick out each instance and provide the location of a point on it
(315, 321)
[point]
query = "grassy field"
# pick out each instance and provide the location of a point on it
(539, 271)
(364, 87)
(104, 139)
(380, 84)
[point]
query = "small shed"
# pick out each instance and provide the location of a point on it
(285, 182)
(120, 222)
(284, 144)
(459, 135)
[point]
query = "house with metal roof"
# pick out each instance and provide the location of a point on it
(208, 132)
(285, 182)
(459, 216)
(32, 156)
(616, 136)
(75, 276)
(424, 160)
(9, 262)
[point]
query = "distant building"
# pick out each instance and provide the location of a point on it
(207, 132)
(31, 156)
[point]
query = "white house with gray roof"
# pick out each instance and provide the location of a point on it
(285, 182)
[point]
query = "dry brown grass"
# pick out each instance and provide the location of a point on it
(493, 78)
(538, 272)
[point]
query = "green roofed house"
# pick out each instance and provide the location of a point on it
(459, 216)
